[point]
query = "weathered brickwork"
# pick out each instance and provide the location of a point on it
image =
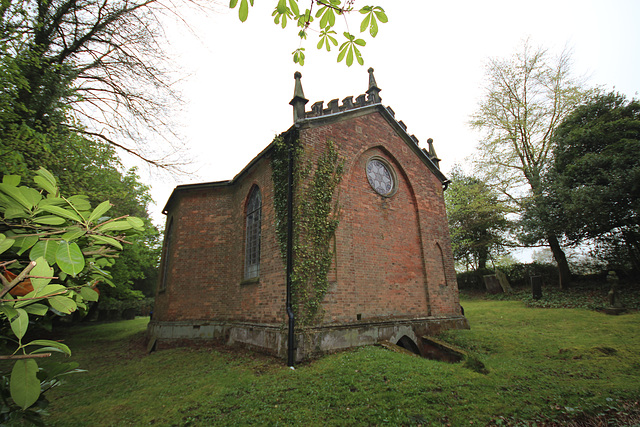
(206, 266)
(393, 255)
(393, 260)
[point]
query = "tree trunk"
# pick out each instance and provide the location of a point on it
(483, 256)
(563, 266)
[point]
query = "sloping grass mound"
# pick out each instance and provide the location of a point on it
(547, 366)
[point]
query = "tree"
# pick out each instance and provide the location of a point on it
(89, 67)
(595, 176)
(92, 169)
(527, 96)
(137, 266)
(477, 220)
(53, 252)
(288, 10)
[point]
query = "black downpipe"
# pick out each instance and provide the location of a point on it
(291, 336)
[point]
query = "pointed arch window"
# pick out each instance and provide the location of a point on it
(253, 231)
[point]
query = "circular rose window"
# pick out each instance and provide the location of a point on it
(380, 177)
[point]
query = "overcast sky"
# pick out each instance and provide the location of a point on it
(429, 62)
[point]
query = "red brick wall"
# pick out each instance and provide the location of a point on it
(393, 253)
(205, 281)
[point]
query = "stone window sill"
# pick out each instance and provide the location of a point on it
(252, 281)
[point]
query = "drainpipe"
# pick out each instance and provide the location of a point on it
(291, 335)
(298, 102)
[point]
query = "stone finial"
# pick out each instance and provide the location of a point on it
(299, 101)
(374, 90)
(432, 153)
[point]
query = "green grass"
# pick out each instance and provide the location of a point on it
(545, 364)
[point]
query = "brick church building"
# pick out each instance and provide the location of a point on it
(224, 276)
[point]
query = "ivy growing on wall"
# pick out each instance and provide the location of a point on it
(315, 220)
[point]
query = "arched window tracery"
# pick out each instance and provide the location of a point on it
(253, 232)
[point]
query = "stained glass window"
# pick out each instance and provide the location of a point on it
(380, 177)
(252, 248)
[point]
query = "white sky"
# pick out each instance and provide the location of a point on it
(428, 60)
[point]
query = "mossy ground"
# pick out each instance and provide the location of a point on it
(546, 366)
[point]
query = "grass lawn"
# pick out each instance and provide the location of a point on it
(550, 365)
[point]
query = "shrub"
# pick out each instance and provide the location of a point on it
(518, 275)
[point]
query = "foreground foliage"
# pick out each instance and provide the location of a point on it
(54, 250)
(546, 365)
(326, 14)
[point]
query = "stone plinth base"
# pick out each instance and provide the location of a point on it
(310, 342)
(614, 310)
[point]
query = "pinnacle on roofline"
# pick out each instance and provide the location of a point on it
(299, 101)
(373, 90)
(371, 96)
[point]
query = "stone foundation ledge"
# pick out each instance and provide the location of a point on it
(310, 342)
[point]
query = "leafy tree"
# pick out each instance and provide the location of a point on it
(92, 168)
(595, 177)
(92, 67)
(477, 220)
(326, 14)
(137, 266)
(527, 96)
(82, 166)
(53, 252)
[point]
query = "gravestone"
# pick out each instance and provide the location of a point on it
(504, 282)
(492, 284)
(536, 286)
(615, 299)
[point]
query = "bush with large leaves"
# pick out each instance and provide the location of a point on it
(54, 250)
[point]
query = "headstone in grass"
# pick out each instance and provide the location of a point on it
(536, 286)
(504, 282)
(615, 299)
(492, 284)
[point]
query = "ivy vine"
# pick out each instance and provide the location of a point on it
(315, 220)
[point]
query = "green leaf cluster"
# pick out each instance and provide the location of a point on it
(373, 14)
(349, 50)
(56, 249)
(315, 221)
(243, 10)
(328, 10)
